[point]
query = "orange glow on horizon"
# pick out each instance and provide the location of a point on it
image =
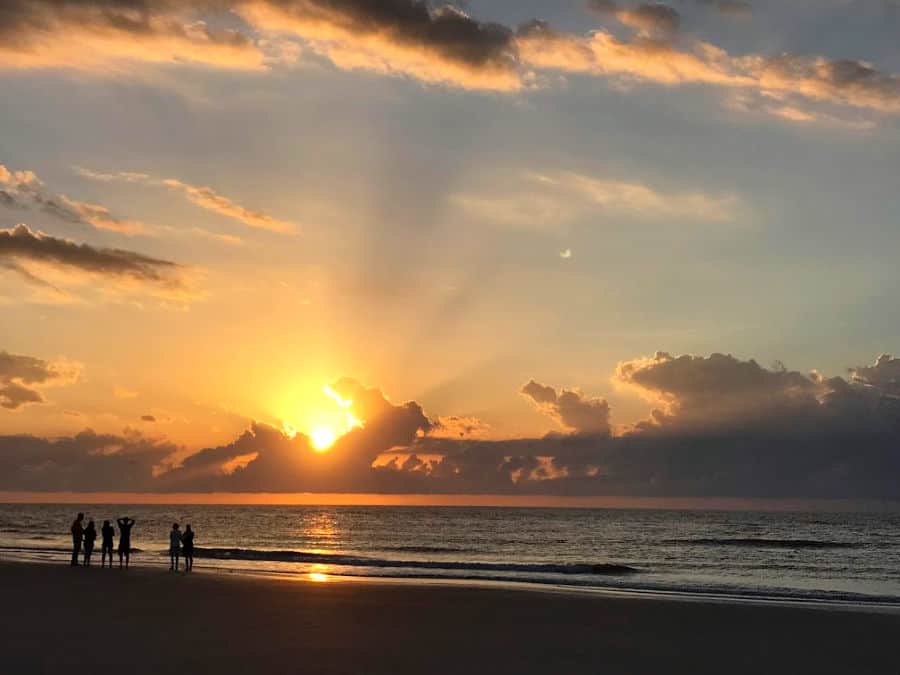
(369, 499)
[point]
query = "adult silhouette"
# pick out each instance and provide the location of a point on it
(107, 532)
(125, 525)
(187, 547)
(174, 547)
(77, 535)
(90, 536)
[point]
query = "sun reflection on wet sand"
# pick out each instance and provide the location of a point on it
(319, 573)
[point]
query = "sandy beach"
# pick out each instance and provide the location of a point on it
(59, 619)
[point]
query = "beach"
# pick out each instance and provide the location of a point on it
(59, 618)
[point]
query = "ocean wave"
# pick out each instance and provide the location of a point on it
(54, 549)
(424, 549)
(761, 542)
(605, 569)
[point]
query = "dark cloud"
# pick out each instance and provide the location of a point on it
(719, 389)
(21, 378)
(85, 462)
(405, 36)
(724, 427)
(440, 44)
(457, 426)
(883, 375)
(148, 418)
(22, 244)
(265, 458)
(570, 408)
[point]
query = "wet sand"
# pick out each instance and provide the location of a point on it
(57, 619)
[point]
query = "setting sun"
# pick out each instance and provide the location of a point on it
(322, 438)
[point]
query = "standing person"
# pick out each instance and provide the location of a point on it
(90, 536)
(125, 525)
(174, 547)
(187, 548)
(108, 532)
(77, 535)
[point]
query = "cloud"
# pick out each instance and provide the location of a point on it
(408, 37)
(110, 35)
(24, 190)
(719, 389)
(22, 378)
(570, 408)
(803, 80)
(883, 375)
(202, 196)
(456, 426)
(405, 37)
(85, 462)
(148, 418)
(24, 250)
(721, 427)
(648, 19)
(735, 9)
(545, 200)
(271, 459)
(433, 45)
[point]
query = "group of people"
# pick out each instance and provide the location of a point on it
(84, 537)
(183, 543)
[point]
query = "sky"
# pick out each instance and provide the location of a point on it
(574, 249)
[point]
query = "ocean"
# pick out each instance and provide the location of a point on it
(851, 557)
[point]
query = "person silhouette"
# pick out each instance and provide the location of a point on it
(90, 536)
(174, 547)
(77, 535)
(187, 548)
(125, 525)
(108, 532)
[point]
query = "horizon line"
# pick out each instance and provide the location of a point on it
(444, 500)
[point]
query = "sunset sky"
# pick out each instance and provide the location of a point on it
(533, 247)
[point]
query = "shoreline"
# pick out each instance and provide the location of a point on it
(875, 606)
(151, 621)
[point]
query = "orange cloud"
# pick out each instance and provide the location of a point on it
(107, 35)
(23, 189)
(204, 197)
(785, 77)
(442, 46)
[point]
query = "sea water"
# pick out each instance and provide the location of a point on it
(815, 556)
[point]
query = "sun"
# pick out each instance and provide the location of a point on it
(322, 438)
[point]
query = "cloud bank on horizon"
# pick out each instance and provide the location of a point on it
(721, 427)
